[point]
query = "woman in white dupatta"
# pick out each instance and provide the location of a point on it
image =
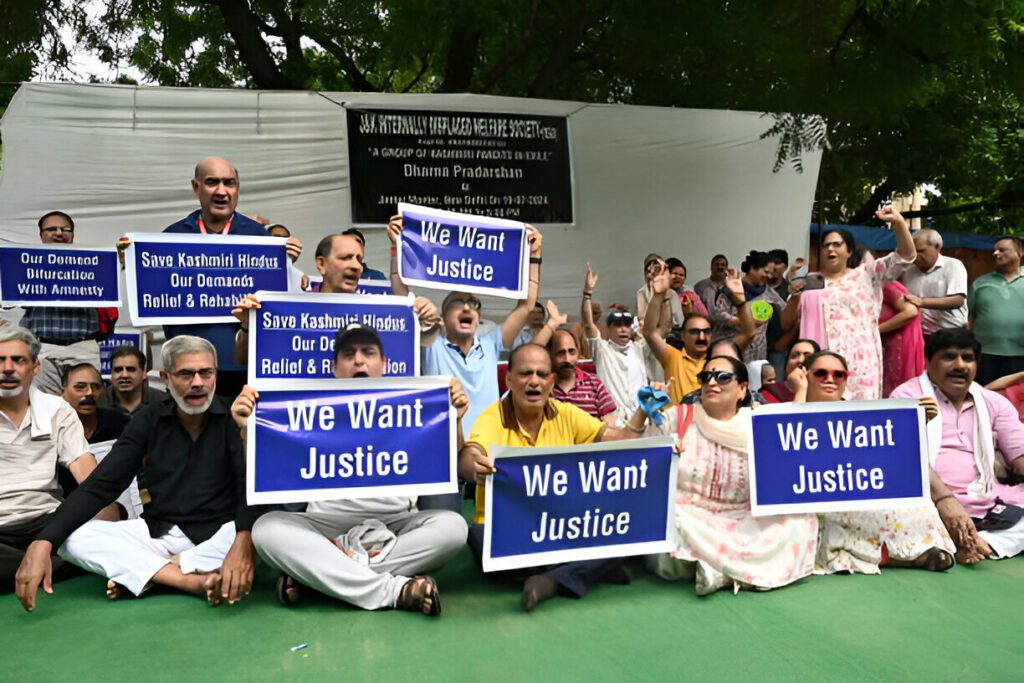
(861, 542)
(718, 542)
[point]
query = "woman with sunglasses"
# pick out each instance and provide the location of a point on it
(718, 542)
(861, 542)
(843, 316)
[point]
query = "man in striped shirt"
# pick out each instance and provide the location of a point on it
(578, 387)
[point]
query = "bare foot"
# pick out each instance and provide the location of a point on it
(211, 583)
(113, 590)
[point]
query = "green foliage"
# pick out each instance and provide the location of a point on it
(898, 92)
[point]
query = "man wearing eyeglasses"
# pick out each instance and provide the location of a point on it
(195, 532)
(68, 334)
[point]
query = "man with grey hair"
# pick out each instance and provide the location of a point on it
(936, 284)
(195, 532)
(38, 432)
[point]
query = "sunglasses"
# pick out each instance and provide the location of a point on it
(835, 375)
(460, 303)
(620, 318)
(720, 376)
(699, 331)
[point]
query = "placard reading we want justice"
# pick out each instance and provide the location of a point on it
(456, 251)
(838, 456)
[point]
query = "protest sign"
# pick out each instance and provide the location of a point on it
(327, 439)
(292, 335)
(838, 456)
(561, 504)
(365, 286)
(446, 250)
(122, 336)
(59, 276)
(176, 279)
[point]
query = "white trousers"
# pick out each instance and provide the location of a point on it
(1006, 543)
(125, 553)
(299, 545)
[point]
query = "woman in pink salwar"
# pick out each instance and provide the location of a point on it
(902, 339)
(845, 313)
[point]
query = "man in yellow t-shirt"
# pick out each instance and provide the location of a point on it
(529, 417)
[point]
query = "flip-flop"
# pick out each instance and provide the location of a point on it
(284, 584)
(414, 593)
(934, 560)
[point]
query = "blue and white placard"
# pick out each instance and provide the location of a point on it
(176, 279)
(63, 276)
(329, 439)
(292, 335)
(562, 504)
(456, 251)
(838, 456)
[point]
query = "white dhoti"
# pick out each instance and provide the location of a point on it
(1006, 543)
(125, 553)
(299, 545)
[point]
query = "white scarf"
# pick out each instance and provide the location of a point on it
(984, 451)
(732, 433)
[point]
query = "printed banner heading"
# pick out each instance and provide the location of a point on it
(562, 504)
(838, 456)
(62, 276)
(292, 335)
(329, 439)
(446, 251)
(176, 279)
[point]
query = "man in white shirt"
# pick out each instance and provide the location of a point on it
(937, 285)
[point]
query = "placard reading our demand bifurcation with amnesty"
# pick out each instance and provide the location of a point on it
(561, 504)
(176, 279)
(292, 335)
(838, 456)
(327, 439)
(454, 251)
(64, 276)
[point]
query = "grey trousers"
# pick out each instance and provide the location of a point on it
(299, 545)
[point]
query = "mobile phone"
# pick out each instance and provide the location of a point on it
(814, 281)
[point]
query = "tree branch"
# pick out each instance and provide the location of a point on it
(561, 51)
(243, 25)
(867, 210)
(501, 67)
(458, 69)
(424, 64)
(356, 78)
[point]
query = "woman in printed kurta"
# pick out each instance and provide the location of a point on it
(848, 307)
(718, 542)
(863, 541)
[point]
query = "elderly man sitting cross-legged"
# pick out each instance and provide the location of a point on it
(195, 532)
(305, 546)
(529, 417)
(982, 515)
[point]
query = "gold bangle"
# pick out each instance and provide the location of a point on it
(635, 430)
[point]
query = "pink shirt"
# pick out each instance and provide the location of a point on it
(955, 462)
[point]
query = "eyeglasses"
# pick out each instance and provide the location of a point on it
(187, 375)
(833, 245)
(53, 229)
(459, 303)
(835, 375)
(699, 331)
(720, 376)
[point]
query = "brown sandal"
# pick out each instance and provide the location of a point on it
(414, 595)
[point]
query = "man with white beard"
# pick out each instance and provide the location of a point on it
(195, 532)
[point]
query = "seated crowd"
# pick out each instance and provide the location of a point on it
(904, 325)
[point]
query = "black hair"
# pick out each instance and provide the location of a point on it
(755, 259)
(803, 340)
(672, 262)
(128, 350)
(778, 256)
(358, 234)
(75, 368)
(739, 371)
(813, 358)
(287, 232)
(845, 235)
(1013, 238)
(722, 340)
(951, 338)
(718, 256)
(56, 213)
(323, 249)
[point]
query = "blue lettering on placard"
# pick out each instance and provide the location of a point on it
(837, 456)
(577, 500)
(42, 275)
(351, 439)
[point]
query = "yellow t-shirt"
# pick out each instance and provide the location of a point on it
(678, 364)
(564, 425)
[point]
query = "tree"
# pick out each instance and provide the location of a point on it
(913, 91)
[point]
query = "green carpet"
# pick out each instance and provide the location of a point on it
(904, 625)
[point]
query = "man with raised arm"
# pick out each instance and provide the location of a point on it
(681, 366)
(307, 548)
(39, 433)
(528, 417)
(194, 534)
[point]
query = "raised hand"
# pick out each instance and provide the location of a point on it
(734, 284)
(458, 397)
(244, 406)
(555, 317)
(589, 280)
(535, 239)
(659, 278)
(394, 228)
(241, 310)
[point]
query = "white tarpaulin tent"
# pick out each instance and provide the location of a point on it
(679, 182)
